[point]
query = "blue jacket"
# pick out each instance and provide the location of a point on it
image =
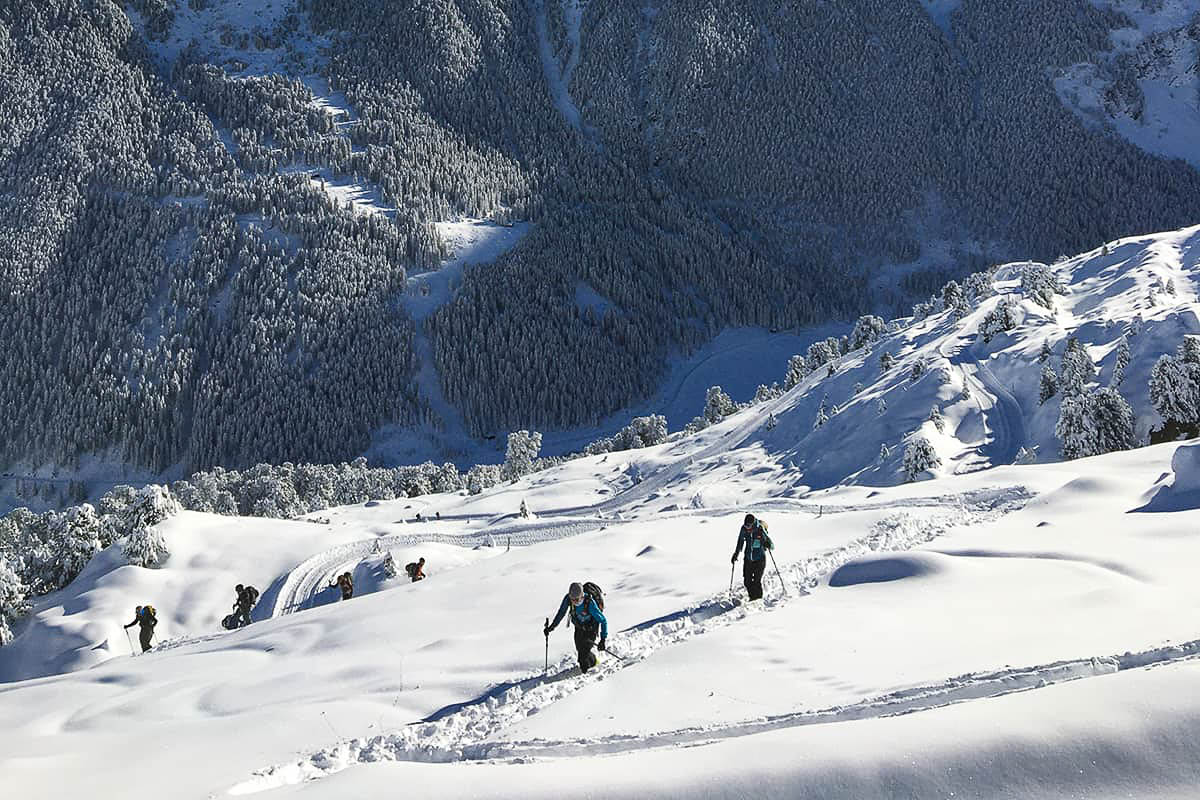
(756, 542)
(583, 614)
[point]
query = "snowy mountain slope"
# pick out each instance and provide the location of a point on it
(422, 651)
(1114, 292)
(1147, 88)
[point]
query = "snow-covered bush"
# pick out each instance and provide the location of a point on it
(14, 600)
(482, 476)
(919, 457)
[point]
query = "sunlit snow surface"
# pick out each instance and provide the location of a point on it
(998, 630)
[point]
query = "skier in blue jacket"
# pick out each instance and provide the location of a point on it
(588, 619)
(753, 536)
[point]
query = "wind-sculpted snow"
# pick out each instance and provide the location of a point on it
(465, 732)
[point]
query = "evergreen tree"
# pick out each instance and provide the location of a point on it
(881, 406)
(797, 368)
(1173, 393)
(1112, 419)
(1045, 352)
(919, 457)
(939, 422)
(717, 405)
(822, 413)
(522, 451)
(14, 600)
(74, 538)
(1122, 363)
(1077, 368)
(886, 361)
(1075, 429)
(1048, 386)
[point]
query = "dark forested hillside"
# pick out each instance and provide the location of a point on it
(184, 281)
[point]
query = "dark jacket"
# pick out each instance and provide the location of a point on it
(145, 619)
(755, 540)
(247, 597)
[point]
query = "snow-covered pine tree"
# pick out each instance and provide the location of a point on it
(1001, 318)
(1173, 393)
(822, 413)
(1112, 419)
(389, 566)
(797, 368)
(522, 451)
(918, 369)
(14, 600)
(1123, 358)
(965, 394)
(1077, 368)
(772, 421)
(919, 457)
(952, 295)
(1045, 353)
(867, 329)
(483, 476)
(1076, 430)
(935, 416)
(144, 543)
(886, 361)
(1048, 386)
(884, 454)
(881, 406)
(73, 537)
(717, 405)
(523, 511)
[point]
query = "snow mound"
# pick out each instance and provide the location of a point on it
(882, 570)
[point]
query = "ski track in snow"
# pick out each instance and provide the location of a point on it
(461, 732)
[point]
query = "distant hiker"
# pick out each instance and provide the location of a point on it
(145, 617)
(346, 584)
(247, 596)
(437, 514)
(586, 604)
(753, 536)
(416, 570)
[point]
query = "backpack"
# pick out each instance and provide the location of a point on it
(595, 592)
(150, 612)
(251, 594)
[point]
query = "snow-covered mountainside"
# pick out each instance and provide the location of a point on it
(970, 635)
(988, 628)
(297, 212)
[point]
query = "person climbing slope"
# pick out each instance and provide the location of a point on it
(587, 614)
(146, 617)
(753, 535)
(346, 584)
(416, 569)
(247, 596)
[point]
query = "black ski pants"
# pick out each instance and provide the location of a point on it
(585, 638)
(144, 636)
(243, 614)
(752, 574)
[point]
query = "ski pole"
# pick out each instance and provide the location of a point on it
(732, 567)
(781, 583)
(546, 632)
(129, 639)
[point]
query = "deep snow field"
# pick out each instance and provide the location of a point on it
(992, 630)
(997, 607)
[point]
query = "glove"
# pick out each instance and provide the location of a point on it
(601, 645)
(733, 559)
(546, 630)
